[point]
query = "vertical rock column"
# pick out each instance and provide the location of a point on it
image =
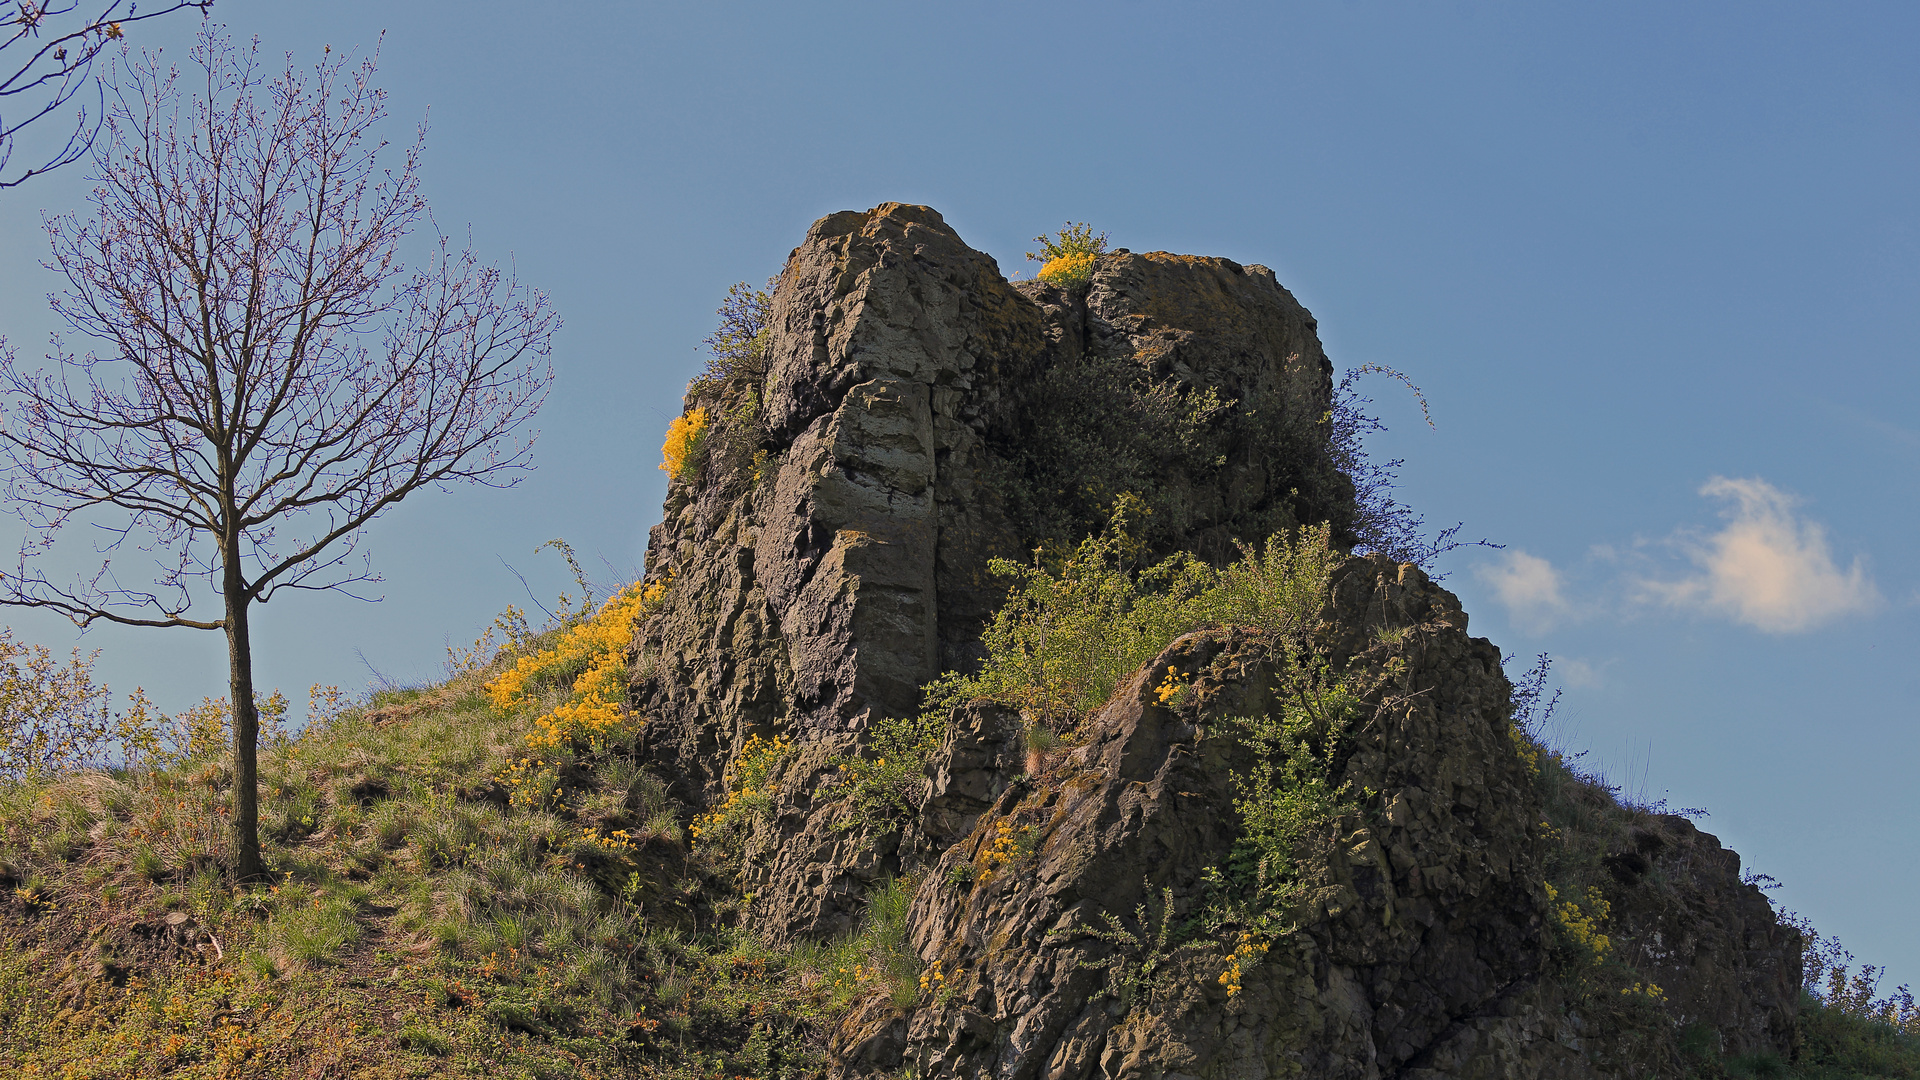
(851, 570)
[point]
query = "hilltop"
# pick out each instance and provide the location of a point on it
(1004, 696)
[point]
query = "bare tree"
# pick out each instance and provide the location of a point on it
(50, 48)
(271, 377)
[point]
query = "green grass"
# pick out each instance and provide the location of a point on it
(417, 922)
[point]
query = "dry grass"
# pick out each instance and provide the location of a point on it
(419, 920)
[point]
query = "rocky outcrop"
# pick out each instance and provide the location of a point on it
(1426, 915)
(829, 557)
(826, 557)
(1427, 950)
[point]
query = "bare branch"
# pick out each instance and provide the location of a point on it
(271, 378)
(49, 49)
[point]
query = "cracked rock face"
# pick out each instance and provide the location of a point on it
(826, 584)
(827, 556)
(1424, 952)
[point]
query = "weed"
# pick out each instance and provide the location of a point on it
(1135, 962)
(426, 1040)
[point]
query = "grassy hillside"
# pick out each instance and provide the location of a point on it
(476, 878)
(453, 894)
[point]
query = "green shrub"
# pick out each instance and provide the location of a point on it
(882, 787)
(53, 719)
(1288, 796)
(1064, 639)
(1134, 964)
(1839, 1045)
(1829, 977)
(1067, 635)
(1847, 1028)
(1067, 257)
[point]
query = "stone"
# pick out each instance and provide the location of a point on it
(827, 557)
(833, 584)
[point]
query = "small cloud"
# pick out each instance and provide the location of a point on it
(1577, 673)
(1529, 587)
(1768, 568)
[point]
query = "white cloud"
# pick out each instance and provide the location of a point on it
(1529, 587)
(1577, 673)
(1767, 568)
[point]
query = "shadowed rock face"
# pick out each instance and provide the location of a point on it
(1427, 914)
(919, 415)
(905, 380)
(1188, 326)
(1425, 951)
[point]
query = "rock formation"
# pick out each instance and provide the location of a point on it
(911, 396)
(918, 415)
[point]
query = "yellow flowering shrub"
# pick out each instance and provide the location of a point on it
(652, 595)
(1579, 924)
(1526, 750)
(530, 784)
(1173, 686)
(617, 849)
(750, 792)
(685, 436)
(1009, 845)
(594, 653)
(1067, 257)
(849, 981)
(937, 983)
(1068, 271)
(1252, 948)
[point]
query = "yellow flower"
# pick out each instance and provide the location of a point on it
(685, 435)
(1068, 270)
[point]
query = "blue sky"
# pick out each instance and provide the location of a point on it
(1657, 267)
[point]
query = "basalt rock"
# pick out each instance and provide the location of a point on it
(1427, 947)
(826, 555)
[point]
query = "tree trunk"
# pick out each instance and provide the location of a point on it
(246, 731)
